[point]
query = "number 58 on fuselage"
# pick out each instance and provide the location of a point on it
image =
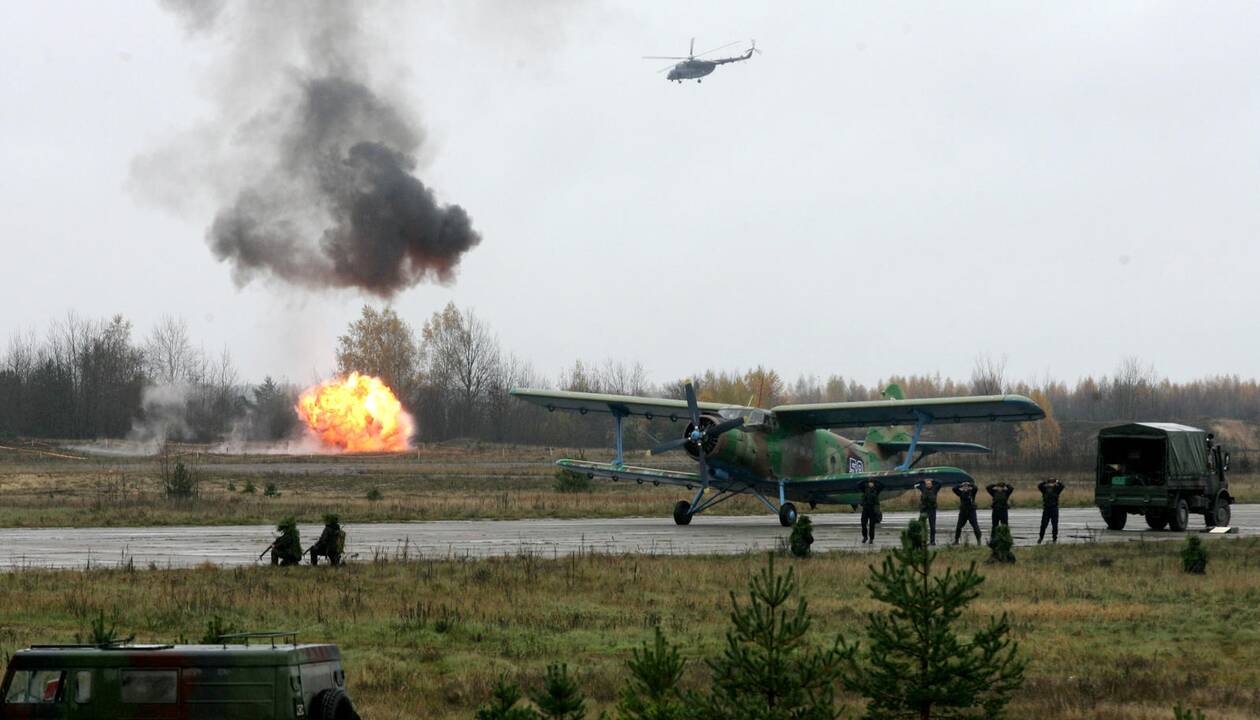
(789, 453)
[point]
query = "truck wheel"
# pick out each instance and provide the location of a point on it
(1221, 513)
(1115, 518)
(1156, 519)
(1180, 517)
(333, 704)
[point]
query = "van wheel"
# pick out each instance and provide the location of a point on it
(1156, 520)
(1180, 517)
(333, 704)
(1115, 519)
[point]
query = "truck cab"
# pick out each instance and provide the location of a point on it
(265, 680)
(1164, 472)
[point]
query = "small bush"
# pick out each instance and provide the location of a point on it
(271, 490)
(100, 632)
(249, 487)
(1180, 713)
(802, 537)
(231, 486)
(181, 483)
(1194, 556)
(375, 494)
(568, 481)
(215, 629)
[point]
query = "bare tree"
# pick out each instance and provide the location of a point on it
(1131, 387)
(461, 359)
(169, 355)
(988, 375)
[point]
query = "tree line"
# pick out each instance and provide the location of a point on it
(94, 378)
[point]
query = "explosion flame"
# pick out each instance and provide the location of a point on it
(357, 413)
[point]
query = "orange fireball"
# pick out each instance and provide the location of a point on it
(357, 413)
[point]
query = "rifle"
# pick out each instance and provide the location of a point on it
(269, 547)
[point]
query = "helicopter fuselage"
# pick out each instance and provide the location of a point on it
(691, 70)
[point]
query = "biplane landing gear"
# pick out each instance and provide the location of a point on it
(682, 512)
(787, 514)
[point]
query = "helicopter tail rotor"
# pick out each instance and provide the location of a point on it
(691, 53)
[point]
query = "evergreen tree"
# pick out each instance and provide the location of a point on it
(652, 691)
(502, 705)
(768, 670)
(560, 697)
(917, 666)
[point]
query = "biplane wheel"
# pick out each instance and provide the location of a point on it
(682, 513)
(787, 515)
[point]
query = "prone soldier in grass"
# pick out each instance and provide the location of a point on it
(1001, 493)
(331, 543)
(1050, 489)
(927, 505)
(871, 513)
(287, 548)
(966, 493)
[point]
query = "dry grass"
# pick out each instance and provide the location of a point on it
(1115, 631)
(435, 482)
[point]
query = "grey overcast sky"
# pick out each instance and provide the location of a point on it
(892, 187)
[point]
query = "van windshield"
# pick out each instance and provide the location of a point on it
(35, 687)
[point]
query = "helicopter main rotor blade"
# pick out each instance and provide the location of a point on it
(663, 57)
(706, 52)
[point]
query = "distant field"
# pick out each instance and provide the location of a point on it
(1115, 632)
(52, 486)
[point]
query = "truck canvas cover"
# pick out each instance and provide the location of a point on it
(1186, 447)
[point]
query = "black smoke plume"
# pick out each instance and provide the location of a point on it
(320, 188)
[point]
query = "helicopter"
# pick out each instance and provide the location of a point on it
(693, 68)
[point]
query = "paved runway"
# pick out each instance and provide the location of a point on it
(168, 547)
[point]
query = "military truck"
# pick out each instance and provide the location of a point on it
(1164, 472)
(265, 679)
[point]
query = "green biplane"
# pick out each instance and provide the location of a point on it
(789, 452)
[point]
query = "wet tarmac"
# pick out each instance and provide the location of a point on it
(171, 547)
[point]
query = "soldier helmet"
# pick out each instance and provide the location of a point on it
(331, 519)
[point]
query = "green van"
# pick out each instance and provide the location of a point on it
(263, 681)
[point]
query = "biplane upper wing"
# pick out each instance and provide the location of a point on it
(969, 409)
(623, 405)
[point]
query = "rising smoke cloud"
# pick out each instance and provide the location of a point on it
(312, 163)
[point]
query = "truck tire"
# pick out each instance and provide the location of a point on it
(1219, 516)
(1115, 518)
(1156, 519)
(1179, 518)
(333, 704)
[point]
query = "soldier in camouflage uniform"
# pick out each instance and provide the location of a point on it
(966, 510)
(287, 549)
(331, 543)
(1050, 489)
(1001, 493)
(871, 514)
(927, 504)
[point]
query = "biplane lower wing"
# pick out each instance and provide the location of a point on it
(837, 489)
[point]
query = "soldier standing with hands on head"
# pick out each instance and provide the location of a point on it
(1050, 489)
(871, 514)
(927, 505)
(966, 493)
(1001, 493)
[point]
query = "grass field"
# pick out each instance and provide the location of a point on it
(55, 487)
(1113, 632)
